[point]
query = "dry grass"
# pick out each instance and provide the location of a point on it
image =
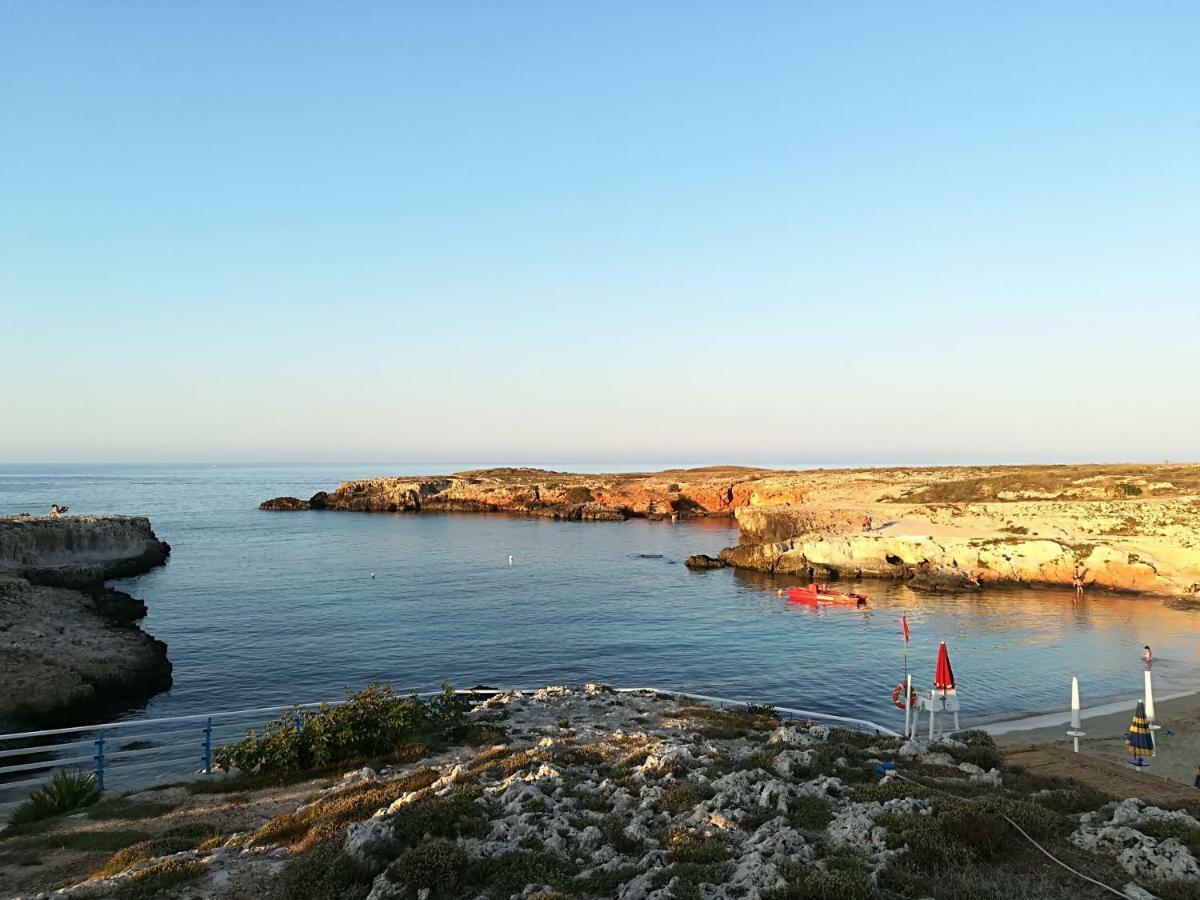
(327, 818)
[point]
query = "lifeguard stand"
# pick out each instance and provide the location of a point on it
(937, 703)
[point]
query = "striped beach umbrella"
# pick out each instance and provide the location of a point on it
(1138, 741)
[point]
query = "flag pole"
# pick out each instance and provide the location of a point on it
(907, 683)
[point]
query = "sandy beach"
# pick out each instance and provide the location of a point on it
(1178, 741)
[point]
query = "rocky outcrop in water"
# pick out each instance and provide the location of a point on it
(557, 495)
(942, 561)
(1116, 527)
(66, 641)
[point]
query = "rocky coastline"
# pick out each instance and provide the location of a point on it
(68, 643)
(1123, 528)
(585, 793)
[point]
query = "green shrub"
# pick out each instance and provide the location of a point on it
(763, 760)
(1069, 801)
(1173, 889)
(684, 797)
(1129, 490)
(152, 880)
(684, 845)
(1038, 821)
(578, 495)
(604, 883)
(325, 872)
(502, 876)
(437, 865)
(1171, 828)
(980, 750)
(174, 840)
(818, 884)
(452, 816)
(808, 813)
(985, 834)
(68, 789)
(688, 876)
(929, 848)
(373, 724)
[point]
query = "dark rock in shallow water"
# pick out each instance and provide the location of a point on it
(286, 504)
(704, 561)
(942, 582)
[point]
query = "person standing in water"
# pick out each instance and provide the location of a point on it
(1147, 657)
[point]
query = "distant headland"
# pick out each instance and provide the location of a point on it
(1132, 528)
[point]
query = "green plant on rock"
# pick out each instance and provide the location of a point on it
(819, 884)
(454, 815)
(437, 865)
(153, 880)
(981, 750)
(502, 876)
(375, 723)
(683, 845)
(1162, 829)
(808, 813)
(578, 495)
(325, 872)
(69, 789)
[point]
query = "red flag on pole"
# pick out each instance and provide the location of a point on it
(904, 625)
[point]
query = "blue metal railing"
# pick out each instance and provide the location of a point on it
(132, 754)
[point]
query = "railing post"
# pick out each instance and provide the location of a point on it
(208, 746)
(100, 760)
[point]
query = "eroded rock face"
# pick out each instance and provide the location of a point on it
(557, 495)
(66, 641)
(78, 551)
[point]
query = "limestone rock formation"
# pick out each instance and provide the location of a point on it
(66, 641)
(556, 495)
(1112, 527)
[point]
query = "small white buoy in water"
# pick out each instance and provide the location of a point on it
(510, 559)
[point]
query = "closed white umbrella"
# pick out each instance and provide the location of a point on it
(1150, 705)
(1076, 731)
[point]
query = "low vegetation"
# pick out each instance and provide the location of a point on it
(375, 724)
(68, 790)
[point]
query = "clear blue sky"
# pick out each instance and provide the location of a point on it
(527, 231)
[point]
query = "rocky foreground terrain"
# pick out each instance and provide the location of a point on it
(1111, 527)
(588, 793)
(66, 641)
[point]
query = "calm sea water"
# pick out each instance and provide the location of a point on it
(261, 608)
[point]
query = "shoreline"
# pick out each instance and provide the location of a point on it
(1104, 726)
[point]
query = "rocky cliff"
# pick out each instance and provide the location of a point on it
(67, 641)
(1120, 528)
(559, 495)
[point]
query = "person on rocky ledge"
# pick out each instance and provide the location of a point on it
(57, 511)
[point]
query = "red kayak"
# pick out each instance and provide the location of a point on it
(820, 593)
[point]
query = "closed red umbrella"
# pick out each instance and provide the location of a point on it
(943, 677)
